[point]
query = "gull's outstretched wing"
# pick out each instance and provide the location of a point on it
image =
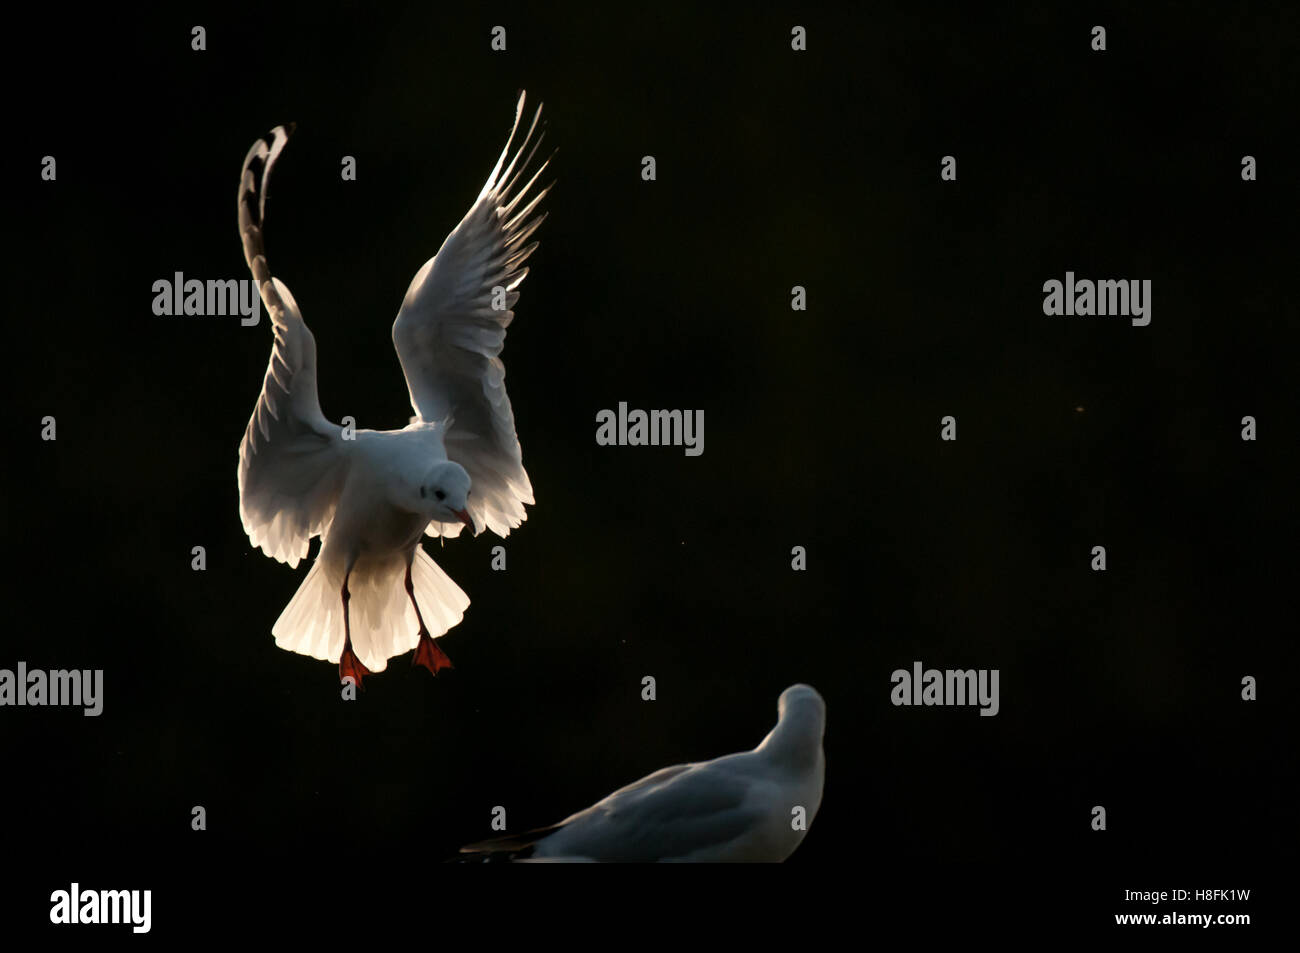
(291, 460)
(449, 336)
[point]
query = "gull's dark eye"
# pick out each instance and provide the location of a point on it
(440, 495)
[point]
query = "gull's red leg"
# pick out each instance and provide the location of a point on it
(427, 652)
(349, 664)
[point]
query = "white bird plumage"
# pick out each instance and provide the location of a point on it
(741, 807)
(372, 592)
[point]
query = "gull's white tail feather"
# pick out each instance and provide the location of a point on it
(382, 619)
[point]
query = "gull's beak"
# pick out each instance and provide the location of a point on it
(465, 518)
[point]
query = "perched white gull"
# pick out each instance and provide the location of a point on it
(743, 807)
(373, 592)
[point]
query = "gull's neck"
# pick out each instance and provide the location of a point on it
(797, 738)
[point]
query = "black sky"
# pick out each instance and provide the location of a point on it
(775, 169)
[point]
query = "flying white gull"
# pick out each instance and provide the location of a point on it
(743, 807)
(373, 592)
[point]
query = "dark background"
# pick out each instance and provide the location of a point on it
(775, 168)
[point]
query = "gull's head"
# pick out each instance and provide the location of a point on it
(796, 741)
(444, 493)
(802, 702)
